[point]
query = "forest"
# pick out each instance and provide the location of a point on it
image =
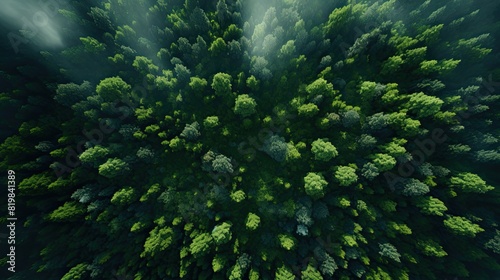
(250, 139)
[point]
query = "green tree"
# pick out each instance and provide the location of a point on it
(113, 167)
(244, 105)
(323, 150)
(314, 185)
(221, 234)
(252, 221)
(283, 273)
(221, 84)
(470, 183)
(462, 226)
(308, 110)
(424, 105)
(113, 89)
(201, 245)
(389, 251)
(346, 175)
(94, 156)
(211, 122)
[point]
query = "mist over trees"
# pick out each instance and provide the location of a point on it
(236, 139)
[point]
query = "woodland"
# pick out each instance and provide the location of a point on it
(241, 139)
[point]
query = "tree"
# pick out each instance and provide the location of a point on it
(94, 156)
(211, 122)
(221, 84)
(308, 110)
(389, 251)
(462, 226)
(287, 241)
(244, 105)
(113, 89)
(323, 150)
(346, 175)
(276, 147)
(470, 183)
(252, 221)
(113, 167)
(314, 185)
(160, 238)
(320, 87)
(222, 164)
(221, 234)
(124, 196)
(199, 20)
(431, 206)
(311, 273)
(201, 245)
(383, 162)
(218, 47)
(91, 45)
(431, 248)
(70, 94)
(283, 273)
(70, 211)
(424, 105)
(413, 187)
(191, 131)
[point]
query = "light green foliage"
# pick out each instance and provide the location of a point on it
(311, 273)
(77, 272)
(113, 167)
(221, 84)
(70, 211)
(211, 122)
(314, 185)
(431, 206)
(145, 65)
(308, 110)
(431, 248)
(91, 45)
(176, 144)
(238, 196)
(221, 234)
(292, 152)
(218, 47)
(287, 50)
(383, 162)
(430, 34)
(320, 87)
(253, 83)
(470, 183)
(94, 156)
(283, 273)
(197, 84)
(201, 245)
(462, 226)
(160, 238)
(113, 89)
(252, 222)
(287, 241)
(424, 105)
(124, 196)
(244, 105)
(323, 150)
(392, 65)
(219, 262)
(395, 147)
(346, 175)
